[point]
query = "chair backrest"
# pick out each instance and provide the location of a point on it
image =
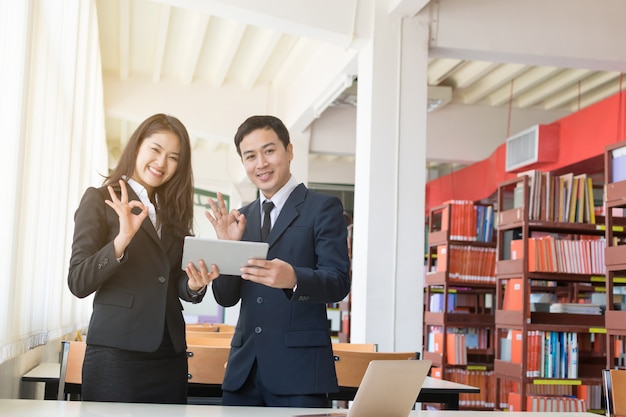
(207, 364)
(355, 347)
(216, 335)
(210, 327)
(72, 356)
(351, 365)
(207, 340)
(618, 391)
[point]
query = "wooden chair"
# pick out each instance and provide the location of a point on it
(206, 369)
(614, 389)
(351, 365)
(210, 327)
(207, 364)
(207, 340)
(216, 335)
(355, 347)
(71, 375)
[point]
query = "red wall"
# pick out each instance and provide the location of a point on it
(582, 135)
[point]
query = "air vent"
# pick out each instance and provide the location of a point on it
(538, 144)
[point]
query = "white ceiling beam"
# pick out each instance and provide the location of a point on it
(325, 69)
(201, 107)
(496, 79)
(471, 71)
(161, 42)
(560, 33)
(599, 94)
(524, 82)
(407, 8)
(541, 92)
(124, 39)
(300, 52)
(579, 89)
(439, 69)
(193, 47)
(230, 38)
(309, 18)
(264, 43)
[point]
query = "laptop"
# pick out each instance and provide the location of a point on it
(389, 388)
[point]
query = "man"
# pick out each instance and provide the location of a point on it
(281, 353)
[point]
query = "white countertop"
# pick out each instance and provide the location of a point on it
(47, 408)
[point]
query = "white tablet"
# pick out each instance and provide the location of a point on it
(228, 255)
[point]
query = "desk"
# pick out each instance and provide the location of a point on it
(48, 373)
(433, 391)
(38, 408)
(445, 392)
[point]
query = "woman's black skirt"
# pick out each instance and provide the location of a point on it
(111, 374)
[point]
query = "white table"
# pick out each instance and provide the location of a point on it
(40, 408)
(433, 391)
(49, 374)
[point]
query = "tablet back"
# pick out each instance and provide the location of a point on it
(228, 255)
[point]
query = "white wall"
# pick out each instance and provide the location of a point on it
(465, 133)
(455, 133)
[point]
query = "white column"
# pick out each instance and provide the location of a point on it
(390, 181)
(412, 183)
(300, 162)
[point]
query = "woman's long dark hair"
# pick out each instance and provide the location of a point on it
(175, 197)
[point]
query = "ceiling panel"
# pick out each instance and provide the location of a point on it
(165, 43)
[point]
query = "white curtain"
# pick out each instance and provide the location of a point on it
(54, 146)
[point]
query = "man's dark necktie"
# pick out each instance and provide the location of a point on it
(267, 222)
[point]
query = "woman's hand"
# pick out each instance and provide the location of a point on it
(129, 222)
(200, 278)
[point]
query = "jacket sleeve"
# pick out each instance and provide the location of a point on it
(227, 290)
(329, 280)
(93, 259)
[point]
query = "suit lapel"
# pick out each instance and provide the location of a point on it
(288, 213)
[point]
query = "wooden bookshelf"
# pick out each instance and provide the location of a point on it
(615, 206)
(524, 334)
(459, 291)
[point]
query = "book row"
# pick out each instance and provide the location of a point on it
(460, 302)
(482, 378)
(562, 198)
(467, 263)
(589, 395)
(550, 254)
(546, 403)
(458, 341)
(548, 354)
(467, 221)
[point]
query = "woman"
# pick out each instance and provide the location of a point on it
(127, 248)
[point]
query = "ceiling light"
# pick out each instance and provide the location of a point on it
(438, 96)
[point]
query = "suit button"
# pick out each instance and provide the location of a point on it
(257, 330)
(161, 280)
(259, 300)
